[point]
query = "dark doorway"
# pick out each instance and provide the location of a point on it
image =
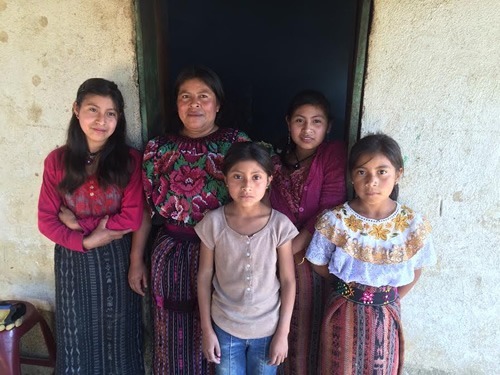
(264, 54)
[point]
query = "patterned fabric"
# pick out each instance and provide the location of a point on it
(89, 202)
(372, 252)
(182, 176)
(182, 180)
(302, 195)
(98, 317)
(361, 339)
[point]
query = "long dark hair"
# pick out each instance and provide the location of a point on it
(113, 162)
(208, 77)
(244, 151)
(378, 143)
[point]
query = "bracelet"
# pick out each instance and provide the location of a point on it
(302, 261)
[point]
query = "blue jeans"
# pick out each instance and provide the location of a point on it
(243, 356)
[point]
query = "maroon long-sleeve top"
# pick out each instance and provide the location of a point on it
(89, 202)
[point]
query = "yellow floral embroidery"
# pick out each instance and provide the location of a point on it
(379, 232)
(353, 224)
(355, 245)
(401, 222)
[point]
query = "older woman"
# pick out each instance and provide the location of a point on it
(183, 180)
(309, 177)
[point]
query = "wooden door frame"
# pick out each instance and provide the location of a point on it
(151, 56)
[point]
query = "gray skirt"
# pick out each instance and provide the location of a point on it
(98, 316)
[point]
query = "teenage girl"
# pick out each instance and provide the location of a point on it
(309, 177)
(246, 255)
(373, 249)
(90, 200)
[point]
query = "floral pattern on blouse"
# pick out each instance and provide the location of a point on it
(182, 176)
(394, 239)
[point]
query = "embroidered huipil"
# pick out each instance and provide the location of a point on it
(89, 203)
(182, 176)
(377, 253)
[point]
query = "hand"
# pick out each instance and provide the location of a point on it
(210, 346)
(68, 218)
(138, 277)
(102, 236)
(278, 351)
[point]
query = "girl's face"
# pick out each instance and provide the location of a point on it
(197, 107)
(98, 118)
(247, 182)
(374, 177)
(308, 126)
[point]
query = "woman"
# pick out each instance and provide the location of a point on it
(182, 181)
(91, 198)
(309, 178)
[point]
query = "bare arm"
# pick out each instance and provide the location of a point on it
(210, 343)
(403, 290)
(278, 350)
(137, 272)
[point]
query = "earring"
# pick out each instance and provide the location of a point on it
(288, 140)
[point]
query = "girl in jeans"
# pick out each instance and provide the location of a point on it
(246, 256)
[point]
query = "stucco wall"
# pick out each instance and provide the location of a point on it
(433, 83)
(47, 49)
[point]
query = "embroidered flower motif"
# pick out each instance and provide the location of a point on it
(379, 232)
(401, 223)
(187, 181)
(176, 208)
(203, 203)
(166, 163)
(353, 223)
(367, 297)
(213, 165)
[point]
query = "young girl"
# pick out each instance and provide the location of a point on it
(246, 254)
(374, 250)
(90, 200)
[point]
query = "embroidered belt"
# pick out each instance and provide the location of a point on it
(365, 295)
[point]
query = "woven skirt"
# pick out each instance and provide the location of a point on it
(98, 316)
(177, 329)
(304, 337)
(361, 339)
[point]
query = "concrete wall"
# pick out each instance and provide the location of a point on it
(47, 49)
(433, 83)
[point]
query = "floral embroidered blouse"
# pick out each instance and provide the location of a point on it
(182, 176)
(372, 252)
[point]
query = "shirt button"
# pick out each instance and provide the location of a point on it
(248, 254)
(301, 209)
(248, 266)
(248, 277)
(305, 188)
(91, 186)
(91, 193)
(248, 289)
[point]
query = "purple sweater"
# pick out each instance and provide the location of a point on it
(324, 186)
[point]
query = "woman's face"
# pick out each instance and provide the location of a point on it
(197, 107)
(98, 118)
(308, 126)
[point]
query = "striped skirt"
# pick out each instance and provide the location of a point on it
(361, 339)
(98, 316)
(303, 347)
(177, 330)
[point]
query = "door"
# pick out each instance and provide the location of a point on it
(264, 54)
